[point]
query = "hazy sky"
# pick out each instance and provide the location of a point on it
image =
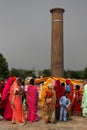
(25, 33)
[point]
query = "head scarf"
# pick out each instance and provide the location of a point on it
(67, 81)
(7, 88)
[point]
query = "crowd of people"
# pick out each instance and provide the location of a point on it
(12, 94)
(59, 101)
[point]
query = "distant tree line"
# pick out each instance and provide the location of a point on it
(5, 72)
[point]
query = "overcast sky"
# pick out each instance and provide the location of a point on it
(25, 33)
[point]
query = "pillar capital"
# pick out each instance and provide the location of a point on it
(58, 10)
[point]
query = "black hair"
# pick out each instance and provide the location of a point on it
(66, 92)
(63, 84)
(19, 80)
(32, 81)
(77, 87)
(23, 83)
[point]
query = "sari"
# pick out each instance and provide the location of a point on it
(48, 108)
(57, 88)
(16, 101)
(1, 104)
(84, 102)
(5, 100)
(70, 108)
(77, 103)
(62, 90)
(32, 103)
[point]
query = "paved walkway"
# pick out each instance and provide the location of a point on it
(77, 123)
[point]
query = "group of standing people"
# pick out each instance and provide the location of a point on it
(58, 101)
(55, 102)
(11, 101)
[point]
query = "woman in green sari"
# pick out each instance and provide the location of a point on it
(84, 102)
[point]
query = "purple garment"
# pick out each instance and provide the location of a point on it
(32, 102)
(5, 100)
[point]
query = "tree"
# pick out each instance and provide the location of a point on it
(67, 74)
(74, 74)
(85, 73)
(21, 73)
(4, 72)
(14, 72)
(46, 72)
(28, 73)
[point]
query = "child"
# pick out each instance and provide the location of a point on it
(64, 104)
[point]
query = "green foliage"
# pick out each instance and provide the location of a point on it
(74, 74)
(28, 73)
(4, 72)
(21, 73)
(14, 72)
(46, 73)
(85, 73)
(67, 74)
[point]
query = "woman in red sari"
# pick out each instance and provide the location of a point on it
(57, 89)
(32, 102)
(77, 101)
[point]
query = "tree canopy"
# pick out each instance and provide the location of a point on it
(4, 72)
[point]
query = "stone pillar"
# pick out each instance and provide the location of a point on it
(57, 63)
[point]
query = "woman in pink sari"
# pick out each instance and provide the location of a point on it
(1, 105)
(32, 102)
(5, 100)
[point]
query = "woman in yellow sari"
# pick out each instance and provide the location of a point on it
(48, 108)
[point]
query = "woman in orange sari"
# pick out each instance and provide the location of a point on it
(16, 101)
(69, 87)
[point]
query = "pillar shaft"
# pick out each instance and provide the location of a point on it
(57, 63)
